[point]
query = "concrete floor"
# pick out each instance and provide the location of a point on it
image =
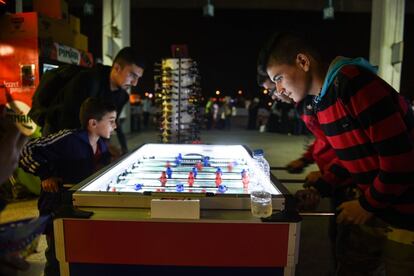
(314, 257)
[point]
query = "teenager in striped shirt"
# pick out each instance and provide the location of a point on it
(371, 128)
(332, 178)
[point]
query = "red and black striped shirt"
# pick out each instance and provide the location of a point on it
(371, 128)
(334, 175)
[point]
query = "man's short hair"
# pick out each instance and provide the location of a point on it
(282, 48)
(94, 108)
(128, 56)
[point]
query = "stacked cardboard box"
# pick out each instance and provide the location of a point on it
(57, 9)
(56, 25)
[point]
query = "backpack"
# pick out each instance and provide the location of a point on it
(48, 89)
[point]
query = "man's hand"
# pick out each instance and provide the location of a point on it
(308, 199)
(51, 184)
(296, 166)
(352, 213)
(312, 178)
(115, 152)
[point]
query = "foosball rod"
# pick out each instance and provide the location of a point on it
(292, 181)
(317, 214)
(278, 168)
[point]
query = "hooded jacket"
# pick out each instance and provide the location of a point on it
(371, 128)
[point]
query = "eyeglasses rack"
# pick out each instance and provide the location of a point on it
(178, 97)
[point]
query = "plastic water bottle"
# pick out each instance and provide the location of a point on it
(258, 156)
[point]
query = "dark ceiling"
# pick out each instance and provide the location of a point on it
(226, 46)
(352, 6)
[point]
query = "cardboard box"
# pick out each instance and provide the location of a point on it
(18, 26)
(65, 11)
(57, 9)
(74, 23)
(80, 42)
(61, 32)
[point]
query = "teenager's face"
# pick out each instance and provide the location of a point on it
(127, 75)
(291, 80)
(271, 87)
(106, 125)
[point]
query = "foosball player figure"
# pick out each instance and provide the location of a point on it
(190, 179)
(163, 178)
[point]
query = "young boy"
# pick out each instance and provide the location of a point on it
(370, 127)
(68, 157)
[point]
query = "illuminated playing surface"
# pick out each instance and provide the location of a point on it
(217, 169)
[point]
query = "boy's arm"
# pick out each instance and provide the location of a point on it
(308, 154)
(51, 184)
(334, 176)
(297, 166)
(40, 155)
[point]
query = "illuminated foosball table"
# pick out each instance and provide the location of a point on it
(182, 207)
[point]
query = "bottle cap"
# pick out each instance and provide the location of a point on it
(258, 152)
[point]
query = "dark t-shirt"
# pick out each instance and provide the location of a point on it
(64, 112)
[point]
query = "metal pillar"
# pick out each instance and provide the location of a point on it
(115, 36)
(19, 6)
(387, 30)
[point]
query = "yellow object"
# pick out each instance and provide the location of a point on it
(401, 236)
(74, 23)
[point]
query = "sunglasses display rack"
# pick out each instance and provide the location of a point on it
(178, 97)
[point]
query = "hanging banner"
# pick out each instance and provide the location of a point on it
(65, 54)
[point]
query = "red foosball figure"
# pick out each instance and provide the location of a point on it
(199, 166)
(245, 180)
(163, 178)
(230, 167)
(190, 179)
(218, 179)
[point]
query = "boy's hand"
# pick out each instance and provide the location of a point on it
(353, 213)
(296, 166)
(308, 199)
(51, 184)
(312, 178)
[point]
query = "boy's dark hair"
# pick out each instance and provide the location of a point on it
(282, 48)
(129, 55)
(261, 77)
(94, 108)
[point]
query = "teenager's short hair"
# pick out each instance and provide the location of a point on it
(94, 108)
(282, 48)
(129, 55)
(261, 78)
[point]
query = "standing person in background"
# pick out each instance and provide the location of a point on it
(227, 109)
(370, 127)
(120, 134)
(208, 113)
(146, 109)
(216, 118)
(136, 113)
(253, 109)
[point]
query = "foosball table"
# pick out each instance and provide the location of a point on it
(153, 207)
